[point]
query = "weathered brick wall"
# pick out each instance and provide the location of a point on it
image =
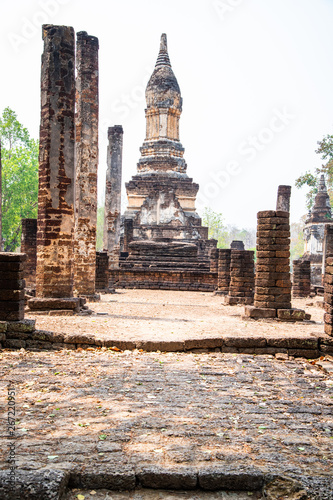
(224, 258)
(301, 278)
(241, 286)
(12, 286)
(102, 271)
(111, 237)
(164, 280)
(214, 260)
(29, 247)
(86, 122)
(55, 226)
(272, 284)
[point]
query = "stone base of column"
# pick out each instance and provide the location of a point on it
(289, 315)
(91, 298)
(56, 304)
(233, 301)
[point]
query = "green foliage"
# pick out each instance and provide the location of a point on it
(296, 240)
(100, 229)
(216, 229)
(226, 234)
(325, 149)
(19, 156)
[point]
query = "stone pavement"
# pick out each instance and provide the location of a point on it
(99, 418)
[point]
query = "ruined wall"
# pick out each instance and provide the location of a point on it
(12, 286)
(55, 226)
(301, 278)
(29, 247)
(86, 122)
(241, 287)
(111, 237)
(102, 271)
(224, 258)
(164, 280)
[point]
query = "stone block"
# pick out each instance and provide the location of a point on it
(3, 326)
(291, 314)
(180, 478)
(215, 479)
(24, 326)
(45, 304)
(257, 313)
(14, 343)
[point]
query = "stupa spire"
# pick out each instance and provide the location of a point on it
(163, 56)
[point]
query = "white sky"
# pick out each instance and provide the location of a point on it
(240, 65)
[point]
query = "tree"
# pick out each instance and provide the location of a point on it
(100, 228)
(226, 234)
(19, 155)
(216, 229)
(325, 149)
(296, 240)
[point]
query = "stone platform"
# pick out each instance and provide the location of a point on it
(100, 419)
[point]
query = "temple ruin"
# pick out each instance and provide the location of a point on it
(314, 231)
(165, 244)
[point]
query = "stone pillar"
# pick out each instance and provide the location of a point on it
(237, 245)
(102, 271)
(55, 226)
(328, 280)
(86, 161)
(12, 286)
(29, 247)
(223, 280)
(272, 283)
(283, 199)
(301, 278)
(111, 237)
(241, 278)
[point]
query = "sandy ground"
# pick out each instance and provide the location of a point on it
(168, 315)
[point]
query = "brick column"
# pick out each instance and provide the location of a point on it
(328, 280)
(301, 278)
(102, 271)
(223, 280)
(29, 247)
(55, 226)
(272, 283)
(86, 162)
(12, 286)
(111, 237)
(237, 245)
(241, 278)
(283, 198)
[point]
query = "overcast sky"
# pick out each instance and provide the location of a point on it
(256, 78)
